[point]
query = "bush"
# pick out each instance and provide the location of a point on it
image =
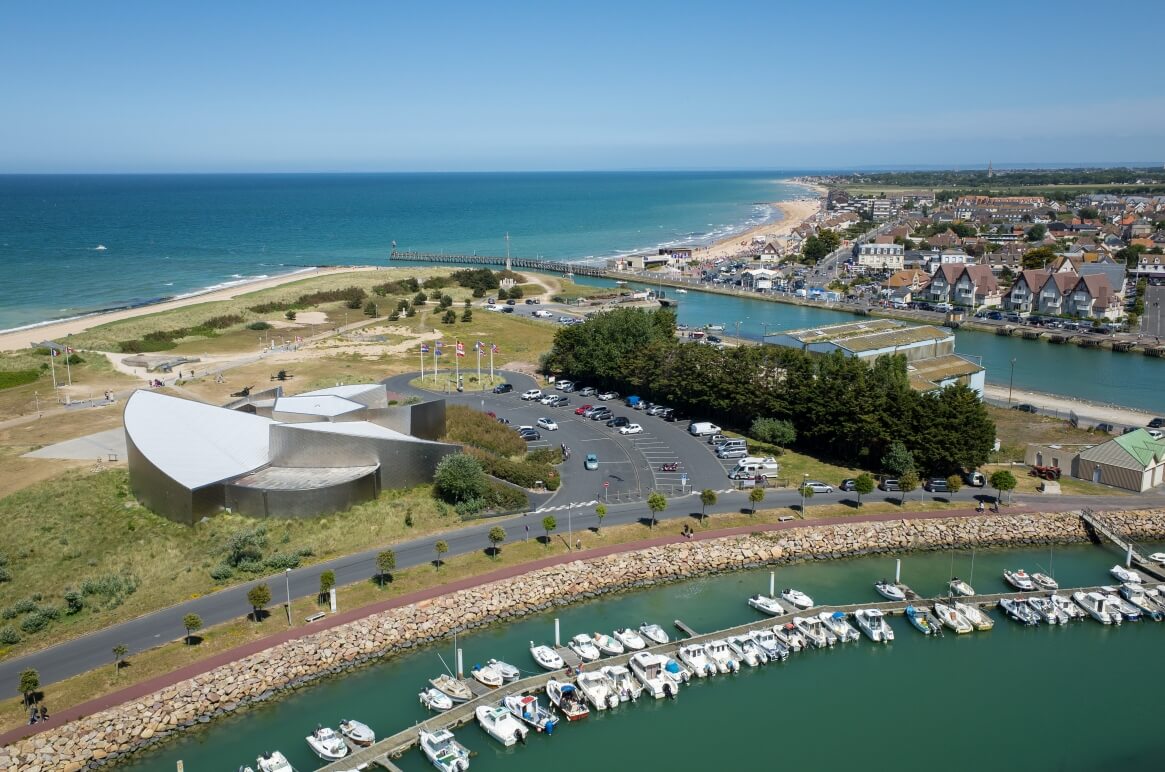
(304, 552)
(74, 601)
(246, 545)
(111, 588)
(24, 605)
(436, 282)
(524, 473)
(9, 636)
(545, 456)
(450, 317)
(258, 326)
(459, 478)
(774, 431)
(34, 622)
(221, 572)
(49, 612)
(8, 613)
(5, 576)
(280, 562)
(250, 566)
(467, 426)
(11, 378)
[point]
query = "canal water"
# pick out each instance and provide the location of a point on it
(1079, 697)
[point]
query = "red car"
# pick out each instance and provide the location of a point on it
(581, 409)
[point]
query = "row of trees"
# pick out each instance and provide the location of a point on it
(839, 407)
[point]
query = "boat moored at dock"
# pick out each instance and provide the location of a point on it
(584, 647)
(607, 645)
(327, 743)
(501, 725)
(508, 672)
(435, 699)
(546, 657)
(566, 697)
(654, 633)
(623, 683)
(1044, 582)
(452, 688)
(814, 631)
(773, 647)
(923, 621)
(695, 658)
(836, 623)
(797, 598)
(598, 689)
(1096, 606)
(721, 655)
(648, 669)
(889, 590)
(1126, 575)
(1137, 596)
(630, 639)
(1019, 579)
(872, 622)
(1020, 611)
(443, 751)
(357, 732)
(746, 650)
(952, 618)
(767, 605)
(527, 708)
(975, 615)
(957, 586)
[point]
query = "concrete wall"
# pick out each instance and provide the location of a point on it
(402, 462)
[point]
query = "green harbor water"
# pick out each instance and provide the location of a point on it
(1078, 697)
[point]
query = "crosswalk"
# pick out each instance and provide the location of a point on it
(560, 507)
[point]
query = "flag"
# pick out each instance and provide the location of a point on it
(479, 346)
(54, 352)
(437, 352)
(424, 348)
(68, 349)
(493, 347)
(460, 349)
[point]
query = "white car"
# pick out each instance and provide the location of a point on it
(493, 307)
(543, 314)
(563, 384)
(532, 394)
(609, 395)
(548, 424)
(546, 399)
(630, 429)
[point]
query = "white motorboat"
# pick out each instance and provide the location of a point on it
(675, 672)
(774, 648)
(623, 684)
(746, 650)
(584, 647)
(1044, 582)
(789, 635)
(694, 657)
(1126, 575)
(1137, 596)
(327, 743)
(681, 291)
(720, 654)
(1019, 579)
(923, 621)
(654, 633)
(797, 598)
(649, 671)
(1047, 611)
(598, 689)
(952, 618)
(457, 691)
(435, 699)
(566, 697)
(889, 590)
(978, 618)
(959, 587)
(1096, 606)
(766, 604)
(546, 657)
(1020, 611)
(443, 751)
(508, 672)
(274, 762)
(1067, 606)
(528, 709)
(501, 724)
(630, 639)
(814, 631)
(1158, 557)
(873, 623)
(357, 732)
(607, 645)
(485, 674)
(1127, 611)
(837, 624)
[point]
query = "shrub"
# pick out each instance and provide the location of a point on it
(459, 478)
(5, 576)
(774, 430)
(34, 622)
(12, 378)
(450, 317)
(74, 601)
(9, 636)
(280, 562)
(258, 326)
(524, 473)
(8, 613)
(268, 308)
(436, 282)
(49, 612)
(221, 572)
(112, 589)
(304, 552)
(246, 545)
(24, 605)
(3, 559)
(467, 426)
(250, 566)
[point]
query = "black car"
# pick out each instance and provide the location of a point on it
(667, 414)
(529, 301)
(508, 309)
(1024, 407)
(511, 302)
(1157, 423)
(529, 435)
(618, 421)
(1106, 428)
(503, 388)
(848, 485)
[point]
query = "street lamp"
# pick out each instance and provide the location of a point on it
(1011, 381)
(287, 585)
(804, 480)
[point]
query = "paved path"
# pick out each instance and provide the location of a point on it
(1089, 413)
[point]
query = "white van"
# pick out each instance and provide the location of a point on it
(702, 428)
(754, 466)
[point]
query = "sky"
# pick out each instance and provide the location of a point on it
(214, 86)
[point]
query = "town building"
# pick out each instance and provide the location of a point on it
(1133, 461)
(881, 257)
(960, 284)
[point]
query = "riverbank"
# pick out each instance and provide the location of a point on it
(508, 594)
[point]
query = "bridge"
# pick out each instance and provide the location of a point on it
(1102, 530)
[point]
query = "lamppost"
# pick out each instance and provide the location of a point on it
(569, 529)
(1011, 381)
(287, 585)
(804, 480)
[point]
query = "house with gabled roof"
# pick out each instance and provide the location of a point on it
(1133, 461)
(1024, 294)
(1093, 298)
(1056, 287)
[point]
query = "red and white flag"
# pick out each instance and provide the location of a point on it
(460, 349)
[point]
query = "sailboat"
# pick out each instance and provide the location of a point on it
(957, 586)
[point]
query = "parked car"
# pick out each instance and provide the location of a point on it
(849, 485)
(631, 429)
(669, 414)
(1024, 407)
(508, 309)
(503, 388)
(1156, 433)
(562, 385)
(818, 487)
(582, 409)
(511, 302)
(559, 401)
(656, 409)
(1157, 423)
(890, 484)
(937, 485)
(591, 463)
(587, 391)
(732, 451)
(592, 410)
(975, 479)
(546, 399)
(717, 439)
(701, 428)
(1106, 428)
(608, 395)
(530, 435)
(568, 388)
(530, 394)
(602, 414)
(641, 405)
(548, 424)
(618, 422)
(530, 301)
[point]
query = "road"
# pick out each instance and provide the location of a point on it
(1153, 321)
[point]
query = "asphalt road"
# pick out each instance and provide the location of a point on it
(1153, 322)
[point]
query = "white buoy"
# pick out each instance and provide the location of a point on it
(557, 633)
(898, 571)
(772, 584)
(460, 664)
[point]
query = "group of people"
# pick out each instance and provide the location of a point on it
(36, 714)
(565, 451)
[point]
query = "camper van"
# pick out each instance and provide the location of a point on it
(754, 466)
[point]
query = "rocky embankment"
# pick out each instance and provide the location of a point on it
(99, 739)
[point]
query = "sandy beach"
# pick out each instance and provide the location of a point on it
(793, 213)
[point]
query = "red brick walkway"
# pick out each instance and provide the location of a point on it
(165, 680)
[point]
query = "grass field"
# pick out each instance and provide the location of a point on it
(1016, 429)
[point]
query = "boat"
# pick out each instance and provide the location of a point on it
(1067, 606)
(1044, 582)
(100, 248)
(815, 632)
(681, 291)
(674, 671)
(1158, 557)
(649, 671)
(435, 699)
(722, 656)
(630, 639)
(327, 743)
(457, 691)
(766, 604)
(546, 657)
(487, 675)
(837, 623)
(623, 684)
(584, 647)
(714, 327)
(773, 647)
(978, 618)
(1047, 610)
(1019, 611)
(273, 761)
(797, 598)
(508, 672)
(443, 751)
(527, 708)
(694, 657)
(1126, 575)
(959, 587)
(357, 732)
(923, 620)
(1019, 580)
(746, 650)
(789, 635)
(1096, 606)
(1128, 611)
(952, 618)
(607, 645)
(872, 622)
(565, 696)
(1135, 594)
(501, 724)
(654, 633)
(889, 590)
(598, 689)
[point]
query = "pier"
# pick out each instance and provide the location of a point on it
(547, 266)
(1101, 531)
(384, 751)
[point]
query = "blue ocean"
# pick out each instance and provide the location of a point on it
(72, 245)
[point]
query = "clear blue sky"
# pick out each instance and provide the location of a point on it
(431, 85)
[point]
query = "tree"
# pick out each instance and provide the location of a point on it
(497, 535)
(516, 292)
(290, 316)
(459, 478)
(467, 315)
(29, 684)
(370, 309)
(600, 512)
(1037, 232)
(502, 294)
(327, 582)
(1002, 480)
(656, 503)
(1038, 258)
(773, 431)
(907, 482)
(954, 483)
(756, 496)
(898, 460)
(420, 299)
(707, 499)
(450, 317)
(863, 485)
(258, 596)
(441, 547)
(119, 652)
(806, 494)
(192, 623)
(1088, 213)
(385, 563)
(548, 525)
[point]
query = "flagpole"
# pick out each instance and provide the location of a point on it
(457, 364)
(53, 367)
(479, 368)
(68, 367)
(491, 362)
(422, 363)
